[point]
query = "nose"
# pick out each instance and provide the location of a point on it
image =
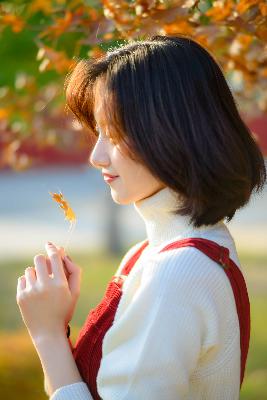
(99, 157)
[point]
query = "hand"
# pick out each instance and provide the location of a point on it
(63, 254)
(47, 301)
(69, 268)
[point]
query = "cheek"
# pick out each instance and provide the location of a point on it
(132, 172)
(123, 165)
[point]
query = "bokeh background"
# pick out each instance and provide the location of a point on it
(42, 150)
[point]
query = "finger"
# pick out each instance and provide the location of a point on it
(41, 268)
(63, 253)
(74, 280)
(56, 263)
(30, 277)
(64, 265)
(48, 263)
(21, 284)
(67, 274)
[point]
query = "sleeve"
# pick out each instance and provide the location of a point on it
(80, 391)
(75, 391)
(152, 349)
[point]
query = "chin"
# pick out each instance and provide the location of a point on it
(119, 199)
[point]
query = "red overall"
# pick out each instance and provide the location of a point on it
(87, 351)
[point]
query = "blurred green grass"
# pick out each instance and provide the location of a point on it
(21, 374)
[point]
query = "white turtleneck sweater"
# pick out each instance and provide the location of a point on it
(176, 332)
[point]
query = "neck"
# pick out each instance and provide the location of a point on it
(161, 224)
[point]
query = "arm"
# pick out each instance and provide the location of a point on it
(162, 329)
(46, 387)
(79, 390)
(60, 369)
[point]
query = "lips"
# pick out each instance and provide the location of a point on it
(109, 180)
(110, 176)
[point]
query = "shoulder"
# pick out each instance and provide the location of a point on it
(183, 261)
(186, 270)
(130, 252)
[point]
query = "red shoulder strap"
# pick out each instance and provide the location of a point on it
(220, 255)
(131, 262)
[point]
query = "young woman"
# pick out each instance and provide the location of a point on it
(174, 322)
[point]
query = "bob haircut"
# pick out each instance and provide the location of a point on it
(167, 102)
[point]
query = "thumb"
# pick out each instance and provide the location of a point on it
(75, 272)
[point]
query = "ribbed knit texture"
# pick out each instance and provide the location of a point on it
(75, 391)
(176, 333)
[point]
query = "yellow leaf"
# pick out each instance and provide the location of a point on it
(261, 31)
(41, 5)
(64, 205)
(61, 25)
(263, 72)
(179, 26)
(108, 36)
(4, 113)
(263, 8)
(95, 52)
(16, 23)
(220, 10)
(244, 5)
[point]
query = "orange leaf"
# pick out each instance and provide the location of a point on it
(263, 8)
(16, 23)
(179, 26)
(220, 10)
(92, 13)
(95, 52)
(41, 5)
(69, 213)
(61, 25)
(261, 31)
(244, 5)
(264, 72)
(4, 113)
(53, 59)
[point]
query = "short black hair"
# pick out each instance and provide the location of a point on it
(169, 103)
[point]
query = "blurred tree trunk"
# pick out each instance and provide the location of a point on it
(112, 229)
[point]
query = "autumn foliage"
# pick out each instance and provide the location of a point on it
(64, 205)
(235, 31)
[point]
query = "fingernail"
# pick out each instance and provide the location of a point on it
(68, 258)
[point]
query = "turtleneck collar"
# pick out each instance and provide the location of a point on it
(161, 224)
